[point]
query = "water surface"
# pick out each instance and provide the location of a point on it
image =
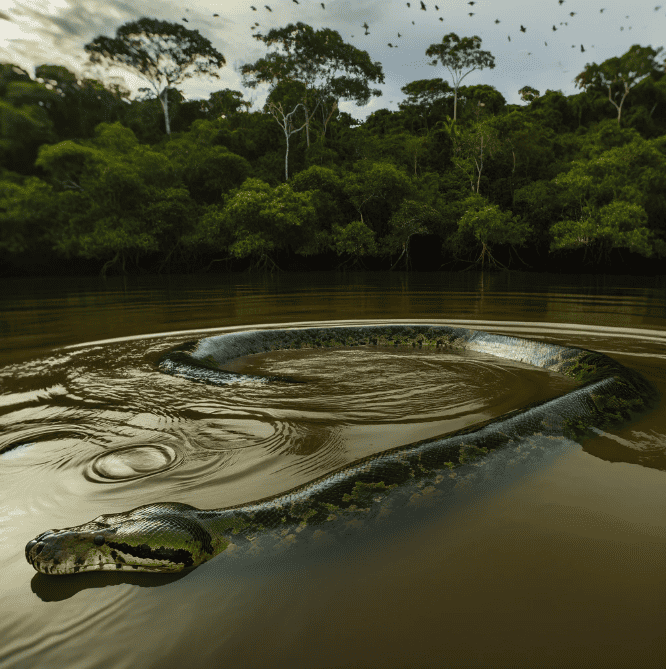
(546, 553)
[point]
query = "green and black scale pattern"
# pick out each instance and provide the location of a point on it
(171, 536)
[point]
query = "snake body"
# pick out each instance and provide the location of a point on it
(172, 536)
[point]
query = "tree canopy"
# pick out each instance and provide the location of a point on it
(158, 50)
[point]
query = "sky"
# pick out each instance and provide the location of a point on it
(37, 32)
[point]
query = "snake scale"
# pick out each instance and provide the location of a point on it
(172, 536)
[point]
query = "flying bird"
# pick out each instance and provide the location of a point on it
(522, 28)
(215, 14)
(561, 1)
(322, 6)
(423, 7)
(365, 25)
(601, 11)
(408, 5)
(399, 35)
(436, 7)
(546, 43)
(391, 45)
(253, 8)
(554, 28)
(497, 20)
(471, 13)
(582, 50)
(413, 23)
(509, 36)
(440, 18)
(471, 3)
(268, 8)
(296, 1)
(572, 13)
(186, 21)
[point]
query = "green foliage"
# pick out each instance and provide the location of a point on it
(355, 239)
(606, 199)
(83, 174)
(26, 212)
(260, 220)
(484, 225)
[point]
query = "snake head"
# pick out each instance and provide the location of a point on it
(138, 540)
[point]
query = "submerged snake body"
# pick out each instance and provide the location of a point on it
(170, 536)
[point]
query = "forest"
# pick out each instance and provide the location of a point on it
(456, 179)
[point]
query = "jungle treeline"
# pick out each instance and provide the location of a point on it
(456, 178)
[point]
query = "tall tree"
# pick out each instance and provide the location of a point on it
(457, 54)
(142, 45)
(619, 73)
(310, 55)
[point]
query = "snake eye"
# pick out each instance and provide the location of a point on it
(99, 540)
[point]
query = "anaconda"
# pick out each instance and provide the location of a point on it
(172, 536)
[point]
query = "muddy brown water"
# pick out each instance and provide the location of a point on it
(548, 553)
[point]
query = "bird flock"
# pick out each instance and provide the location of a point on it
(424, 8)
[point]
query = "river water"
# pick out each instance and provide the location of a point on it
(548, 553)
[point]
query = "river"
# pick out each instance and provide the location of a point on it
(548, 553)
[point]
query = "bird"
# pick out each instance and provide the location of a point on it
(601, 11)
(522, 28)
(436, 7)
(560, 1)
(582, 50)
(423, 7)
(322, 5)
(572, 13)
(253, 8)
(440, 18)
(657, 8)
(268, 8)
(546, 43)
(408, 5)
(391, 45)
(509, 36)
(186, 21)
(497, 20)
(215, 14)
(365, 25)
(413, 23)
(554, 28)
(471, 3)
(296, 1)
(399, 35)
(471, 13)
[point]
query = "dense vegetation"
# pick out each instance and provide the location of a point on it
(90, 181)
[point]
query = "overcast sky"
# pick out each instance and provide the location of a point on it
(36, 32)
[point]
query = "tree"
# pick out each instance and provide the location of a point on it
(613, 200)
(455, 54)
(119, 201)
(485, 225)
(413, 218)
(182, 46)
(319, 53)
(277, 111)
(527, 93)
(259, 220)
(620, 73)
(469, 147)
